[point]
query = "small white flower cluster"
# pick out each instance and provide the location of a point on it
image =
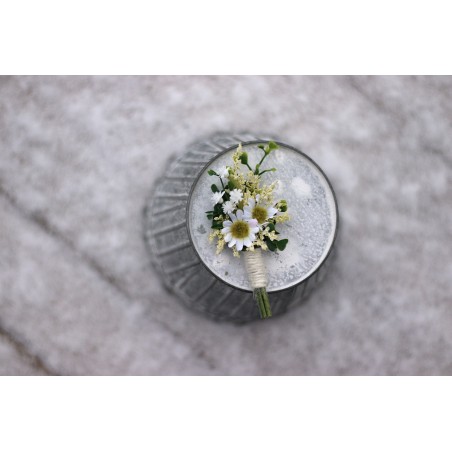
(217, 197)
(223, 172)
(236, 196)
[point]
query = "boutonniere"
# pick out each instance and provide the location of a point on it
(245, 216)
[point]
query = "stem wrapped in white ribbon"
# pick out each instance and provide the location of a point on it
(257, 276)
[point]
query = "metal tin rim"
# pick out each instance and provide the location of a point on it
(255, 142)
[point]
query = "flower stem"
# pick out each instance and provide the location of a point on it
(263, 303)
(256, 171)
(267, 171)
(255, 268)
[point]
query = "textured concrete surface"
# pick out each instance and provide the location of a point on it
(78, 156)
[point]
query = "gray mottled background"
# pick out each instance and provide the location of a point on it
(78, 156)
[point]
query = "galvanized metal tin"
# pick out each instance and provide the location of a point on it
(176, 231)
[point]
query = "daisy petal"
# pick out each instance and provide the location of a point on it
(226, 230)
(247, 241)
(228, 237)
(232, 243)
(239, 245)
(227, 223)
(239, 214)
(253, 222)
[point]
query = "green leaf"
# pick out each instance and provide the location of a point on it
(271, 226)
(211, 172)
(217, 224)
(244, 158)
(281, 244)
(210, 216)
(271, 245)
(214, 188)
(261, 146)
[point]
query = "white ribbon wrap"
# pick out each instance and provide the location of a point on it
(254, 263)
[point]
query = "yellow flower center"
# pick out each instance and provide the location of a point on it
(259, 213)
(240, 229)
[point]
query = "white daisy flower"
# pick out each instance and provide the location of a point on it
(228, 207)
(240, 231)
(236, 195)
(217, 197)
(258, 211)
